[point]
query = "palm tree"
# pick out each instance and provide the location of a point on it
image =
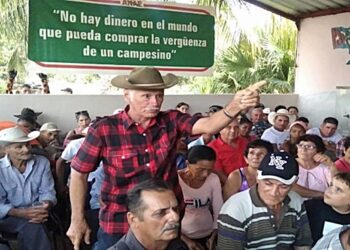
(270, 56)
(13, 35)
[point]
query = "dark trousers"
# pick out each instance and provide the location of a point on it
(105, 240)
(30, 236)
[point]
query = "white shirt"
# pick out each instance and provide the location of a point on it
(72, 149)
(334, 138)
(274, 136)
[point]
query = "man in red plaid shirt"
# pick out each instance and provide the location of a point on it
(135, 145)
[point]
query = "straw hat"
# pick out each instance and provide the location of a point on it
(16, 134)
(283, 112)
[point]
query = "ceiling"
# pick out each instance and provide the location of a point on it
(299, 9)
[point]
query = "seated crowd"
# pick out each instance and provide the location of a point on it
(265, 181)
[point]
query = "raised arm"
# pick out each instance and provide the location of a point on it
(242, 101)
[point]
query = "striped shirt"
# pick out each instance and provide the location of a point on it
(246, 223)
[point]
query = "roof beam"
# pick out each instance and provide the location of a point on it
(325, 12)
(273, 10)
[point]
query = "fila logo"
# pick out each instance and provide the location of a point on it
(277, 161)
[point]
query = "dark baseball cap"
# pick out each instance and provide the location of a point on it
(279, 166)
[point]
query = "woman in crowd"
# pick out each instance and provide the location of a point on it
(202, 195)
(315, 168)
(243, 178)
(83, 120)
(245, 127)
(183, 107)
(296, 130)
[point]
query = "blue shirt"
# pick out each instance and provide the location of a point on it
(95, 192)
(23, 189)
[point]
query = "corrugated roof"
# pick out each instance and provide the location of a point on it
(299, 9)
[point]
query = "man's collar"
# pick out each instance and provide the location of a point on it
(128, 122)
(6, 163)
(132, 242)
(257, 200)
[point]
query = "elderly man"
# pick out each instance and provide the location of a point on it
(268, 215)
(277, 134)
(26, 190)
(137, 144)
(153, 216)
(259, 123)
(48, 133)
(28, 119)
(48, 136)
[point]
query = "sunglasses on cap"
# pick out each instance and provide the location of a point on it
(83, 112)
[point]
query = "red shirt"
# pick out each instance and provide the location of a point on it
(131, 154)
(229, 158)
(342, 165)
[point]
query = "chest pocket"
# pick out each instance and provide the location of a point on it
(124, 164)
(10, 188)
(11, 192)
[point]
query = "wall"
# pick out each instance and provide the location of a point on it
(61, 108)
(320, 68)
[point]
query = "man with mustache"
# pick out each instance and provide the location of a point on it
(135, 145)
(153, 217)
(268, 215)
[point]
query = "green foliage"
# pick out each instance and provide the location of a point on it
(92, 77)
(207, 85)
(2, 88)
(13, 37)
(271, 57)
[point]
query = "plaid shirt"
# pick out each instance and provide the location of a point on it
(131, 154)
(259, 128)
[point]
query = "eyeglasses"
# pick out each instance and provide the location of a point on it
(306, 147)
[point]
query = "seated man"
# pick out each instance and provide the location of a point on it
(153, 218)
(47, 138)
(259, 123)
(328, 132)
(26, 190)
(268, 215)
(331, 211)
(28, 119)
(278, 133)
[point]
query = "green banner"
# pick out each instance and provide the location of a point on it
(96, 34)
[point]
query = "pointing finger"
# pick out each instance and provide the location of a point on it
(257, 85)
